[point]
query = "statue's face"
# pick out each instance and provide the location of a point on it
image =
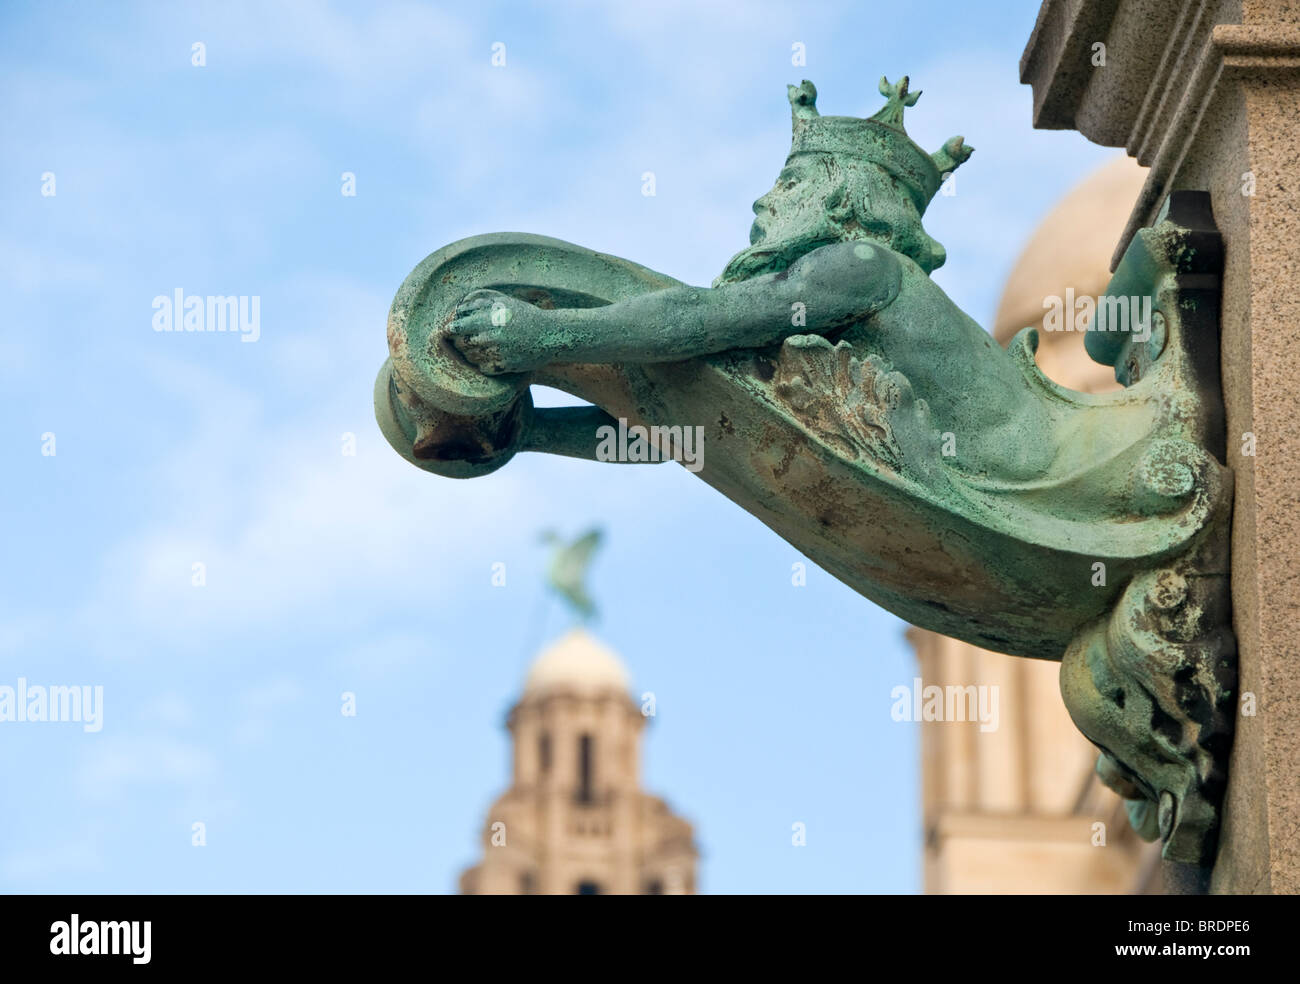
(795, 208)
(820, 199)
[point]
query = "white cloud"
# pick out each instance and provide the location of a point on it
(18, 633)
(112, 764)
(261, 705)
(267, 697)
(171, 709)
(381, 655)
(28, 267)
(79, 855)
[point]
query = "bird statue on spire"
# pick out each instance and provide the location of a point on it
(567, 573)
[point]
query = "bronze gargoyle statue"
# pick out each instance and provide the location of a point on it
(843, 398)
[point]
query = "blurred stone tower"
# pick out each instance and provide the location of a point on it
(1019, 809)
(575, 820)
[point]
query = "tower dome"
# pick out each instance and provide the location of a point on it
(1071, 250)
(579, 820)
(577, 662)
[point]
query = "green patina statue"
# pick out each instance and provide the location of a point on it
(840, 396)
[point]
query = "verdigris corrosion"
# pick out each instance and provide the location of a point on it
(850, 405)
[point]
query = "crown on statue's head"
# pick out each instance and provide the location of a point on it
(880, 139)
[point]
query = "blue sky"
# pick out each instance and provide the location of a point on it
(329, 573)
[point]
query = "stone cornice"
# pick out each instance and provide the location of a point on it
(1151, 101)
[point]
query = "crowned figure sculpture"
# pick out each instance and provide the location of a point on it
(850, 405)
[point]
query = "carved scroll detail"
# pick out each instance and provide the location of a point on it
(843, 398)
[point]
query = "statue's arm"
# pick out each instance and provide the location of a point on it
(822, 291)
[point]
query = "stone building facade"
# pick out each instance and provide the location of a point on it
(575, 819)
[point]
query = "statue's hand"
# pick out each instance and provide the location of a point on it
(498, 333)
